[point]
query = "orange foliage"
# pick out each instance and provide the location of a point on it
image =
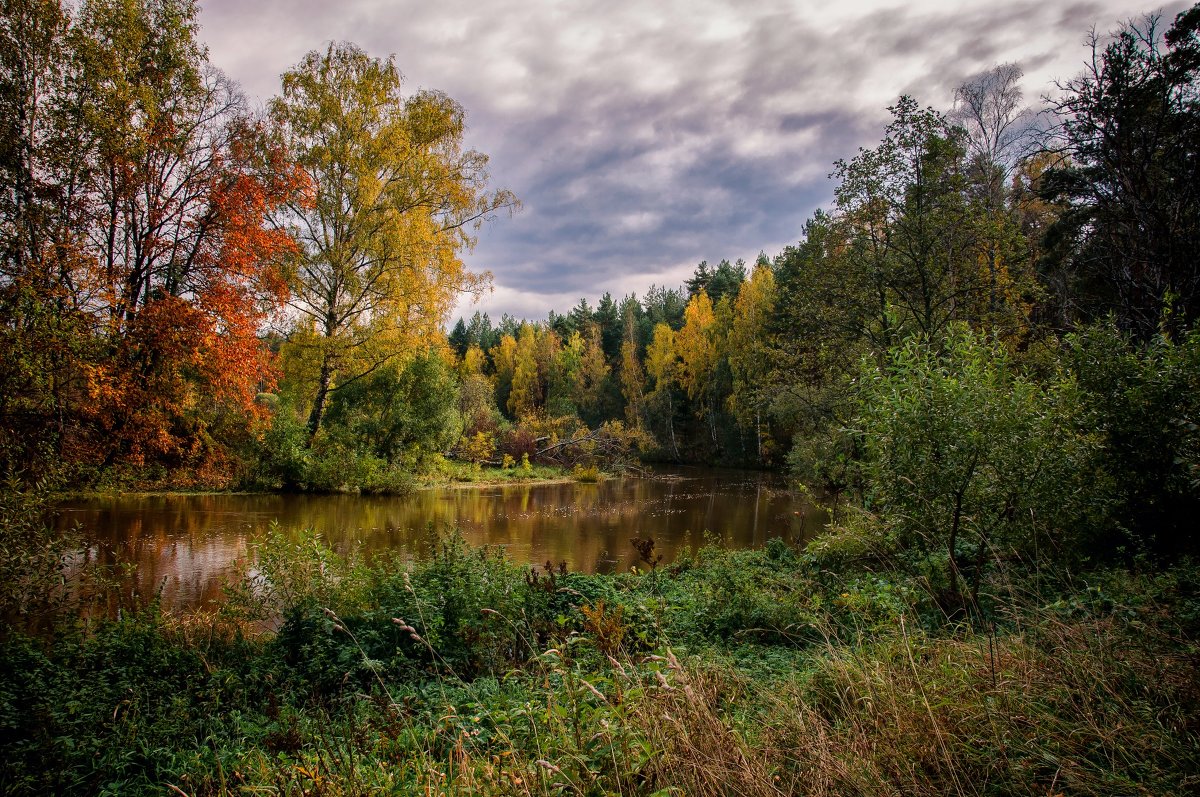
(190, 353)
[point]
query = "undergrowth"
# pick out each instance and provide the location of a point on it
(754, 672)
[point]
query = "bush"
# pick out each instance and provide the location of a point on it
(1144, 403)
(749, 672)
(586, 474)
(32, 552)
(398, 414)
(968, 462)
(478, 448)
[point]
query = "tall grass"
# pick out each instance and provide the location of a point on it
(751, 673)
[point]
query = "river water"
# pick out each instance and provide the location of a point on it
(186, 548)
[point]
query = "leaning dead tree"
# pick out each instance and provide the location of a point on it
(611, 445)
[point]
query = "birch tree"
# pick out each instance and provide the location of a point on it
(394, 201)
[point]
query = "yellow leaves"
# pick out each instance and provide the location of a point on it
(632, 380)
(504, 356)
(661, 362)
(396, 201)
(749, 341)
(526, 386)
(592, 371)
(478, 448)
(696, 346)
(474, 361)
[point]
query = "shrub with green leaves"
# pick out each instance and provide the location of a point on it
(377, 430)
(397, 414)
(1144, 403)
(968, 462)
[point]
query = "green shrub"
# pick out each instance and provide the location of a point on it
(31, 551)
(1144, 403)
(968, 462)
(756, 672)
(398, 414)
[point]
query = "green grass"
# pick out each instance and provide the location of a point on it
(451, 472)
(753, 672)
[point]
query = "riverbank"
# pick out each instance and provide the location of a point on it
(449, 474)
(756, 672)
(452, 473)
(184, 549)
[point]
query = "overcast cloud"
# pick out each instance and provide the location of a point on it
(644, 137)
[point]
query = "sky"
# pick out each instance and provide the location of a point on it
(645, 137)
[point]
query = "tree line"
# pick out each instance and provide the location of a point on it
(1022, 225)
(195, 293)
(987, 341)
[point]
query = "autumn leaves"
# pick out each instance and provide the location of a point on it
(157, 224)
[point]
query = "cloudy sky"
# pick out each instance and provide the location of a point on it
(644, 137)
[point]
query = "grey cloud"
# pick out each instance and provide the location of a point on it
(643, 137)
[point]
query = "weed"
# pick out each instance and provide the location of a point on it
(463, 673)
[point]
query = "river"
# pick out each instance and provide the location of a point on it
(186, 548)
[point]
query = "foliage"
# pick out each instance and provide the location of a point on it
(335, 462)
(587, 474)
(1130, 128)
(756, 672)
(389, 175)
(1142, 403)
(968, 463)
(32, 554)
(136, 251)
(478, 448)
(399, 414)
(905, 349)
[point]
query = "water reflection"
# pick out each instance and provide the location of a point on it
(188, 547)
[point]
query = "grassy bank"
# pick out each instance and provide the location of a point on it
(727, 673)
(452, 473)
(448, 473)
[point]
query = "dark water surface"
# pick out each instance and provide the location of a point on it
(189, 546)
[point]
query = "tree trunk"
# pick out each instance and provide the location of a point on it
(318, 407)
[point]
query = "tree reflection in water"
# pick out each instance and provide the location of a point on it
(189, 546)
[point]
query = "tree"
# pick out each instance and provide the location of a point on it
(608, 320)
(39, 329)
(1129, 127)
(998, 140)
(142, 188)
(903, 211)
(662, 306)
(749, 349)
(399, 413)
(458, 339)
(969, 462)
(696, 346)
(33, 63)
(632, 375)
(818, 329)
(662, 365)
(717, 282)
(473, 361)
(394, 200)
(1142, 399)
(504, 358)
(183, 267)
(528, 390)
(998, 129)
(591, 376)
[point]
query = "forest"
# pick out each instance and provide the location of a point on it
(983, 355)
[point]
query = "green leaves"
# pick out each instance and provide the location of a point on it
(965, 457)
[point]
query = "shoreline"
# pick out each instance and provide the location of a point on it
(420, 486)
